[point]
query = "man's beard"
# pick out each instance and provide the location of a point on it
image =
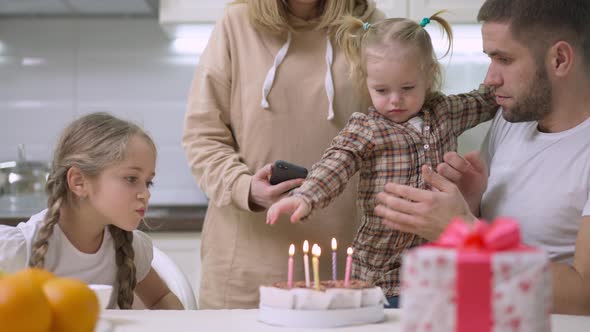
(536, 104)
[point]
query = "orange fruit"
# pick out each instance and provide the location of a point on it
(23, 306)
(73, 304)
(36, 275)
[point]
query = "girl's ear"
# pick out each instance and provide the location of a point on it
(77, 182)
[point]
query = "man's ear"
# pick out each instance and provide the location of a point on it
(77, 182)
(561, 58)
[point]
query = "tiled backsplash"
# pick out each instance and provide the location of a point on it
(52, 70)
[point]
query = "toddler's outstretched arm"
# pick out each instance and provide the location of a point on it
(293, 205)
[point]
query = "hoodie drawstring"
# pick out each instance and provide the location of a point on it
(270, 76)
(328, 82)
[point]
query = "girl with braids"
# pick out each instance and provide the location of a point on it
(98, 191)
(409, 125)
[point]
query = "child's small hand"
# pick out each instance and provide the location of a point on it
(293, 205)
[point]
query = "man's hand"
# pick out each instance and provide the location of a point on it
(422, 212)
(295, 206)
(263, 194)
(469, 174)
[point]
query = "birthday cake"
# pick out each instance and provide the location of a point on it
(334, 304)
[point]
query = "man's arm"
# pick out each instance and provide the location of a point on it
(571, 284)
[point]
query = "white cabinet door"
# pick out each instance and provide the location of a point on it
(191, 11)
(393, 8)
(458, 11)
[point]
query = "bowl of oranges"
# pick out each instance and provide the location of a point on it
(58, 304)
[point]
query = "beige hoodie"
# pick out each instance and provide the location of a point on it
(228, 135)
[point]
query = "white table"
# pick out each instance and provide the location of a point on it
(245, 321)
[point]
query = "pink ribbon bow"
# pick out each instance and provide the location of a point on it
(502, 234)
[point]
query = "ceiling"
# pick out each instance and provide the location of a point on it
(78, 8)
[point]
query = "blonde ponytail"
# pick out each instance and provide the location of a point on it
(350, 35)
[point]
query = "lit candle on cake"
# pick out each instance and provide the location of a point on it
(290, 269)
(306, 262)
(334, 247)
(348, 267)
(316, 251)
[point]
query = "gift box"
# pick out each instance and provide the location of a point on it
(478, 278)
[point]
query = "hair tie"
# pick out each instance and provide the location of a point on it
(425, 21)
(366, 26)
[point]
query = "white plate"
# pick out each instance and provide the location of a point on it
(103, 326)
(321, 318)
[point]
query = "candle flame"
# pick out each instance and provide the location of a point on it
(349, 251)
(316, 250)
(291, 250)
(334, 244)
(305, 247)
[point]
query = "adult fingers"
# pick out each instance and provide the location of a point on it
(264, 172)
(476, 161)
(407, 192)
(395, 203)
(454, 160)
(449, 172)
(436, 180)
(396, 220)
(285, 186)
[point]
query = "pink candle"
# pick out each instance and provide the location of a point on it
(306, 262)
(348, 267)
(334, 247)
(290, 269)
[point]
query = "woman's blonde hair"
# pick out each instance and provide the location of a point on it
(271, 15)
(90, 143)
(357, 37)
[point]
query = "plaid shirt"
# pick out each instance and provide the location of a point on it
(384, 151)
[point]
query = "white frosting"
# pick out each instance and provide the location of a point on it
(310, 299)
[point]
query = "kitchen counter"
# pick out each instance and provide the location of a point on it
(158, 218)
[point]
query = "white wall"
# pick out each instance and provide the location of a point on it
(52, 70)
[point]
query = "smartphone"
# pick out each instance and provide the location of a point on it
(282, 171)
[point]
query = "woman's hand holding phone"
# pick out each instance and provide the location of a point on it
(263, 194)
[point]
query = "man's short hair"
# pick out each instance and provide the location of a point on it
(538, 24)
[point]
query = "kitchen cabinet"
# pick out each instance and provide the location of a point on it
(173, 12)
(459, 11)
(202, 11)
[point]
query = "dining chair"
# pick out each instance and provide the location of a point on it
(174, 278)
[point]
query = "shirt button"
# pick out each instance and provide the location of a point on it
(426, 146)
(427, 128)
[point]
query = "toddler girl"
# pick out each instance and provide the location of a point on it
(410, 124)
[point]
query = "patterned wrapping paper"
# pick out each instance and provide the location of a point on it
(515, 297)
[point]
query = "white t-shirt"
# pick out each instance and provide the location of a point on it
(63, 259)
(540, 179)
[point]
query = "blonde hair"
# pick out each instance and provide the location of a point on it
(90, 143)
(271, 15)
(357, 37)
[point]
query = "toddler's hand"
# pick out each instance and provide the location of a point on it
(293, 205)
